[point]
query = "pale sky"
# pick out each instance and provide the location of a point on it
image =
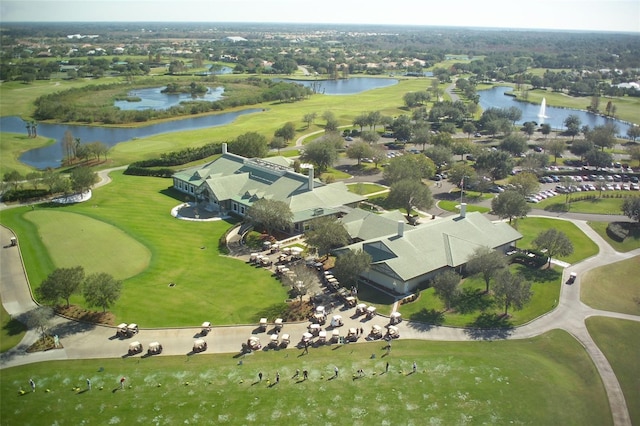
(590, 15)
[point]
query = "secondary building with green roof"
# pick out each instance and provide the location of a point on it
(409, 256)
(232, 183)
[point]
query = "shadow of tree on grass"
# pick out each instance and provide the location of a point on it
(488, 326)
(425, 319)
(473, 299)
(541, 275)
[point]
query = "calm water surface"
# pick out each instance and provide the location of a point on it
(52, 155)
(496, 98)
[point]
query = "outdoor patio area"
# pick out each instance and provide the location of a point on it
(191, 211)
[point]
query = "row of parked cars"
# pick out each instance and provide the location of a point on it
(562, 189)
(591, 178)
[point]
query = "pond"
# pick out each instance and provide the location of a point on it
(52, 155)
(153, 98)
(554, 116)
(348, 86)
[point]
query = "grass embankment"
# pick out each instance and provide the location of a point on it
(13, 145)
(613, 287)
(619, 340)
(207, 285)
(545, 380)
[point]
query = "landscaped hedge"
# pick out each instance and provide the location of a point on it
(24, 194)
(617, 231)
(537, 261)
(143, 171)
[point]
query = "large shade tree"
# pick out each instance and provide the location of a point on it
(271, 214)
(556, 243)
(326, 233)
(410, 194)
(498, 163)
(486, 262)
(359, 150)
(350, 265)
(511, 290)
(62, 283)
(322, 152)
(446, 286)
(82, 179)
(510, 204)
(250, 145)
(413, 167)
(525, 183)
(631, 208)
(101, 290)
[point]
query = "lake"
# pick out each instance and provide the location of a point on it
(496, 98)
(52, 155)
(153, 98)
(349, 86)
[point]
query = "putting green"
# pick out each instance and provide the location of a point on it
(66, 236)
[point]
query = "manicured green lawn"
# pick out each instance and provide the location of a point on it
(364, 188)
(12, 331)
(632, 242)
(65, 236)
(583, 247)
(545, 380)
(453, 206)
(619, 340)
(612, 206)
(208, 286)
(477, 309)
(613, 287)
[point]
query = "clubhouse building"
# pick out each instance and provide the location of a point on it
(232, 183)
(405, 257)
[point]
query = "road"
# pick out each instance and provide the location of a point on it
(82, 340)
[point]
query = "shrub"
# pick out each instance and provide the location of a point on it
(24, 194)
(617, 231)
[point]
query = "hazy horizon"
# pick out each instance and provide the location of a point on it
(564, 15)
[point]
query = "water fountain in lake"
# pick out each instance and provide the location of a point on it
(543, 109)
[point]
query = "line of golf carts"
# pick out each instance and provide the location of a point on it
(155, 348)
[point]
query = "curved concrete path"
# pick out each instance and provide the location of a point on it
(81, 340)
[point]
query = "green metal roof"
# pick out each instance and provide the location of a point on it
(232, 177)
(436, 244)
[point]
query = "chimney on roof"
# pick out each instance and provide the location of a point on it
(310, 169)
(224, 148)
(463, 210)
(400, 228)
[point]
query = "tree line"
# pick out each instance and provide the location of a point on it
(64, 106)
(46, 184)
(98, 289)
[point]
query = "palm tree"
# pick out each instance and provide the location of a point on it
(28, 126)
(34, 129)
